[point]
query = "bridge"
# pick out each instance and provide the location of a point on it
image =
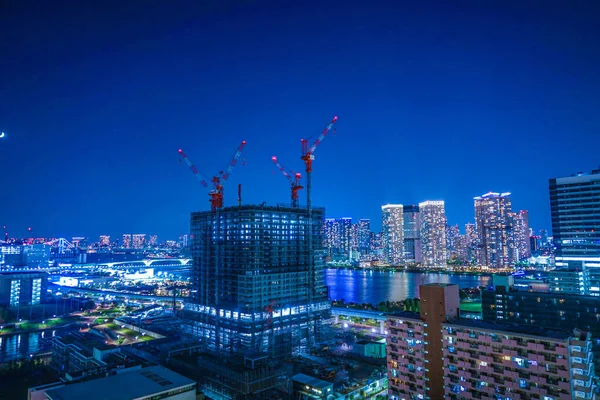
(69, 289)
(145, 263)
(350, 312)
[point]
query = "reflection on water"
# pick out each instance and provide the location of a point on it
(376, 286)
(18, 346)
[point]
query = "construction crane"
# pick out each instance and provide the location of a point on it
(216, 193)
(308, 157)
(294, 178)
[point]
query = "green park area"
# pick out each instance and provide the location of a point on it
(471, 306)
(125, 333)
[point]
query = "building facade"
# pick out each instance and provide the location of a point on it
(433, 233)
(494, 230)
(412, 234)
(436, 355)
(364, 235)
(502, 303)
(576, 223)
(127, 241)
(392, 233)
(521, 247)
(139, 241)
(23, 288)
(256, 285)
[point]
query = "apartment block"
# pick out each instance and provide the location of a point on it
(490, 361)
(435, 355)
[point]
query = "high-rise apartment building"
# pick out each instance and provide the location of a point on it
(139, 241)
(364, 235)
(104, 241)
(433, 233)
(412, 234)
(575, 214)
(434, 355)
(392, 234)
(471, 241)
(126, 244)
(452, 240)
(519, 245)
(493, 228)
(346, 232)
(501, 302)
(256, 285)
(153, 240)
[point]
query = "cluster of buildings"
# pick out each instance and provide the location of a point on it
(419, 235)
(435, 354)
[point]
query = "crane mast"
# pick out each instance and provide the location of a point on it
(308, 157)
(294, 179)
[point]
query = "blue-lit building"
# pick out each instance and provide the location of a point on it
(22, 288)
(575, 209)
(258, 286)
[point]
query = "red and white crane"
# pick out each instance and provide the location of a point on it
(294, 178)
(308, 157)
(216, 193)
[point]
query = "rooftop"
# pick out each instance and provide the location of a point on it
(126, 386)
(311, 381)
(406, 315)
(438, 284)
(512, 328)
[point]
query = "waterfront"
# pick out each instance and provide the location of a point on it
(21, 345)
(377, 286)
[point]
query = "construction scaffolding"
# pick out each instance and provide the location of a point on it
(256, 286)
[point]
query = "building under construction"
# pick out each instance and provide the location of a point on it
(258, 279)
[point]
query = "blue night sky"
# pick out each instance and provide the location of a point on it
(436, 100)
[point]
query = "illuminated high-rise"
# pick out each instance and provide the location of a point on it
(345, 235)
(471, 241)
(104, 241)
(153, 241)
(412, 234)
(393, 233)
(126, 241)
(139, 241)
(494, 230)
(433, 233)
(363, 235)
(521, 245)
(249, 259)
(575, 210)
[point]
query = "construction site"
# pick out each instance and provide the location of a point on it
(258, 283)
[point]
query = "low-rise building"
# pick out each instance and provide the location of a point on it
(148, 383)
(370, 348)
(305, 387)
(569, 280)
(80, 356)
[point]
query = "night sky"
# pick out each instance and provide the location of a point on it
(436, 100)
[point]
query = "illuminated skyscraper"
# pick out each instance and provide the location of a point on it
(393, 233)
(104, 240)
(364, 235)
(345, 235)
(576, 223)
(153, 241)
(433, 233)
(521, 246)
(494, 231)
(471, 241)
(452, 240)
(126, 241)
(412, 234)
(139, 240)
